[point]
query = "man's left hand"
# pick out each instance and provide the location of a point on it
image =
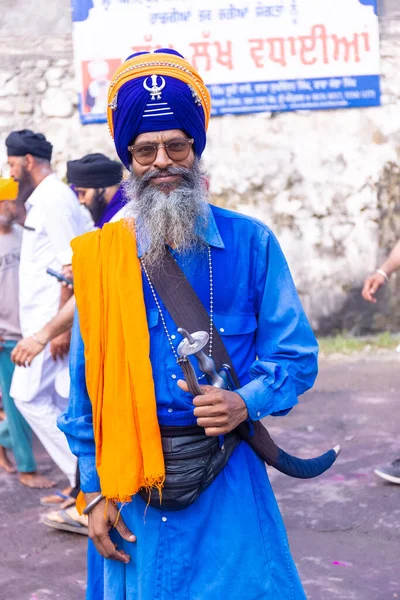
(218, 411)
(59, 346)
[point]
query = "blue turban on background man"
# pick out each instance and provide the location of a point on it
(157, 91)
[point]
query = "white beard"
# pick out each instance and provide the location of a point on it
(178, 218)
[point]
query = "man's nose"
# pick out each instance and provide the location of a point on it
(162, 160)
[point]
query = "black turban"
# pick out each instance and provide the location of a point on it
(94, 171)
(21, 143)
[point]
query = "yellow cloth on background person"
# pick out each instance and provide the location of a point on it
(119, 379)
(8, 189)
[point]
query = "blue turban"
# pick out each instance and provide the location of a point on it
(156, 102)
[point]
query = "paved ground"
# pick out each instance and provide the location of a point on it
(344, 527)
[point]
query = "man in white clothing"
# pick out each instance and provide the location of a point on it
(54, 218)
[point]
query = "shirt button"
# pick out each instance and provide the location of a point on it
(221, 329)
(173, 376)
(163, 519)
(170, 410)
(173, 337)
(258, 414)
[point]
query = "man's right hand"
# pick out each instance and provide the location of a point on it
(101, 520)
(371, 286)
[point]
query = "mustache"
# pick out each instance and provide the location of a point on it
(185, 173)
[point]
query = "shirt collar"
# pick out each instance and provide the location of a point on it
(212, 236)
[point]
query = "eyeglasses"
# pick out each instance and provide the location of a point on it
(145, 154)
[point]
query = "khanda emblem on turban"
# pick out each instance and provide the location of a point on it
(155, 89)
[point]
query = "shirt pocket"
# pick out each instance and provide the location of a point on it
(238, 332)
(235, 324)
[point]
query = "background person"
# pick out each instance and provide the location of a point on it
(15, 433)
(372, 284)
(54, 218)
(96, 180)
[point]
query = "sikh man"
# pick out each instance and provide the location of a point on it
(54, 218)
(128, 405)
(15, 433)
(96, 180)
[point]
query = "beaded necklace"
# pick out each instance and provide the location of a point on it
(160, 312)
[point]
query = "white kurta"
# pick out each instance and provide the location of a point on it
(54, 218)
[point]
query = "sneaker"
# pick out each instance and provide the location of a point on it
(390, 473)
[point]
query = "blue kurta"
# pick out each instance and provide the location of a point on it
(231, 542)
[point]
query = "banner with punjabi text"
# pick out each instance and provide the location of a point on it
(255, 55)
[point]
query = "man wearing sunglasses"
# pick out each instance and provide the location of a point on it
(130, 413)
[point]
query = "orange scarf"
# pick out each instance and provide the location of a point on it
(112, 316)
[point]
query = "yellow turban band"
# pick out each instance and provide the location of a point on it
(162, 64)
(8, 189)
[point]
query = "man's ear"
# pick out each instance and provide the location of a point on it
(29, 162)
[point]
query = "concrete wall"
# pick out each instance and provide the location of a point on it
(327, 182)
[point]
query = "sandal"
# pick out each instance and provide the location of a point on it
(55, 499)
(67, 520)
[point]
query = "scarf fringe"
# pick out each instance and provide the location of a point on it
(149, 483)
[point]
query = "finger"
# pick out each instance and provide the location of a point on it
(212, 423)
(211, 410)
(215, 431)
(368, 296)
(29, 359)
(204, 388)
(208, 399)
(111, 550)
(365, 295)
(182, 385)
(123, 530)
(374, 287)
(16, 358)
(98, 544)
(366, 291)
(100, 541)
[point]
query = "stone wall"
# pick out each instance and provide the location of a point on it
(327, 182)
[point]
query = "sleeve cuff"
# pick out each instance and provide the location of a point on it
(90, 481)
(261, 400)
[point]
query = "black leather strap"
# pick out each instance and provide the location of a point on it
(186, 308)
